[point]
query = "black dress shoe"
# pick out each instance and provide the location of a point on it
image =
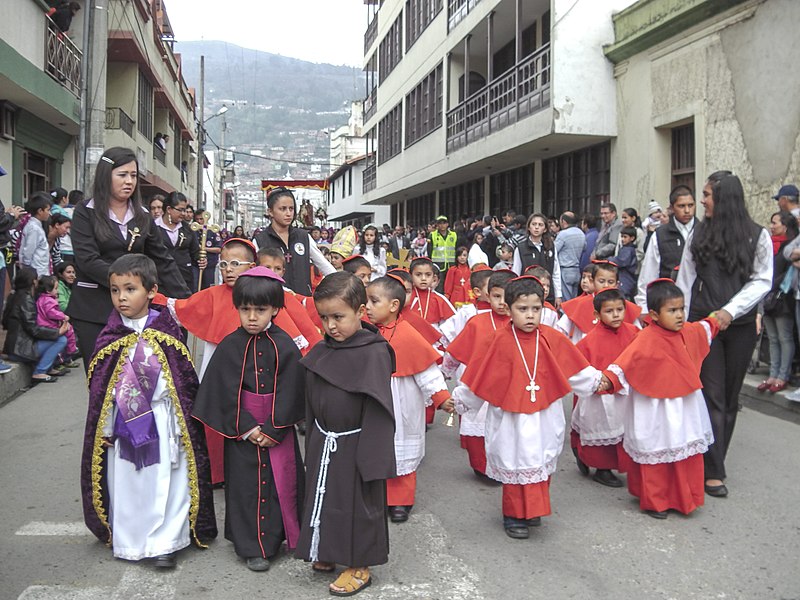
(582, 466)
(398, 514)
(657, 514)
(606, 477)
(534, 522)
(257, 563)
(165, 561)
(516, 528)
(718, 491)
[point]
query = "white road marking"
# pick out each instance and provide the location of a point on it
(53, 528)
(138, 582)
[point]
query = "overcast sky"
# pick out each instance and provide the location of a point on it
(329, 31)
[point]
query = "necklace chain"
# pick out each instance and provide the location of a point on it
(532, 388)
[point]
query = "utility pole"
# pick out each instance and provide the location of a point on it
(201, 134)
(95, 108)
(223, 172)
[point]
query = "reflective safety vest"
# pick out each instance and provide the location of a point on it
(444, 249)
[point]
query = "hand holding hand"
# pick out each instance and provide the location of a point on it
(724, 318)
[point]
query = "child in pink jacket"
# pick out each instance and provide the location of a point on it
(49, 314)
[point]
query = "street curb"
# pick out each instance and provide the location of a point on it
(14, 383)
(775, 405)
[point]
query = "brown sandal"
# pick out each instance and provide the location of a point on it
(322, 567)
(350, 582)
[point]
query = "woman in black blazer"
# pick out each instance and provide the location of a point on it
(107, 226)
(178, 237)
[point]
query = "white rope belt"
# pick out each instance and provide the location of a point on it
(329, 447)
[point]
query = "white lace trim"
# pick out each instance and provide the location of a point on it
(602, 441)
(597, 439)
(171, 308)
(461, 407)
(617, 370)
(472, 429)
(671, 455)
(404, 467)
(522, 476)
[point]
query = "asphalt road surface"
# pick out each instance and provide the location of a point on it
(596, 544)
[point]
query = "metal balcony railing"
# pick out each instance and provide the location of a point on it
(457, 10)
(371, 104)
(371, 34)
(519, 92)
(160, 154)
(116, 118)
(62, 58)
(369, 178)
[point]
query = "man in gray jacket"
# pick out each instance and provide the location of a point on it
(609, 233)
(570, 243)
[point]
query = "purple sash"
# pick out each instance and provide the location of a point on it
(282, 459)
(135, 425)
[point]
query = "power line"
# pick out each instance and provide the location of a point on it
(262, 157)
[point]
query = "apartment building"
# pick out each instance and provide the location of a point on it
(345, 201)
(40, 69)
(477, 106)
(146, 95)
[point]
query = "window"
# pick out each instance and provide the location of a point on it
(145, 120)
(466, 198)
(390, 50)
(419, 14)
(8, 121)
(512, 190)
(177, 144)
(424, 107)
(683, 163)
(419, 210)
(350, 182)
(579, 181)
(390, 134)
(36, 173)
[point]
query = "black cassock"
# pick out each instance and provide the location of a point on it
(348, 387)
(254, 513)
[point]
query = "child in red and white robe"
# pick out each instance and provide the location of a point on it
(478, 281)
(597, 420)
(550, 314)
(667, 427)
(523, 372)
(578, 318)
(477, 333)
(416, 380)
(430, 304)
(456, 282)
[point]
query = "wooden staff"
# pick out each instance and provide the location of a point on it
(203, 229)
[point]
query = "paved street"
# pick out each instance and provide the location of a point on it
(596, 544)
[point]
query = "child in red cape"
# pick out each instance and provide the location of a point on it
(456, 283)
(478, 281)
(430, 304)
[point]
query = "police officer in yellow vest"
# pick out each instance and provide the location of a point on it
(442, 248)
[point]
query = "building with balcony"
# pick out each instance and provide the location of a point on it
(345, 205)
(477, 106)
(146, 95)
(40, 70)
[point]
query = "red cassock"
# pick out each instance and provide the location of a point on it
(600, 347)
(477, 333)
(413, 355)
(662, 370)
(432, 307)
(580, 311)
(456, 284)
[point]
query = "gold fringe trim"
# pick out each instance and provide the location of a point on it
(124, 345)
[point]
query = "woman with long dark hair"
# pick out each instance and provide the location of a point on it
(539, 249)
(110, 224)
(297, 246)
(370, 248)
(726, 269)
(178, 237)
(630, 218)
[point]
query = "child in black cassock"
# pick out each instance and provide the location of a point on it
(349, 439)
(252, 395)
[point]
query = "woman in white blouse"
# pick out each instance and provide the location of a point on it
(370, 248)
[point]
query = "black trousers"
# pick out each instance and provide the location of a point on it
(87, 333)
(722, 375)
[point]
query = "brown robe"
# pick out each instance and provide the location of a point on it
(348, 386)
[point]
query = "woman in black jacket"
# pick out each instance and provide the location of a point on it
(109, 225)
(178, 237)
(26, 341)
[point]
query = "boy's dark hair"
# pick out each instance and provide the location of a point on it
(521, 220)
(659, 292)
(607, 295)
(679, 191)
(539, 272)
(523, 286)
(604, 266)
(354, 263)
(37, 202)
(275, 253)
(138, 265)
(478, 278)
(500, 279)
(76, 197)
(257, 291)
(58, 219)
(507, 247)
(588, 268)
(420, 262)
(589, 220)
(24, 279)
(393, 289)
(45, 284)
(630, 231)
(403, 274)
(344, 286)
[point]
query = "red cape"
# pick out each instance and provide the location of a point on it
(580, 311)
(665, 364)
(478, 331)
(413, 354)
(424, 328)
(431, 306)
(602, 345)
(454, 289)
(497, 373)
(299, 316)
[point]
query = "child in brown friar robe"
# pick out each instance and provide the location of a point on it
(349, 439)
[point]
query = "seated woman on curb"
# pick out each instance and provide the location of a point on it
(26, 341)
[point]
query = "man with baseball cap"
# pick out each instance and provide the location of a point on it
(442, 247)
(788, 198)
